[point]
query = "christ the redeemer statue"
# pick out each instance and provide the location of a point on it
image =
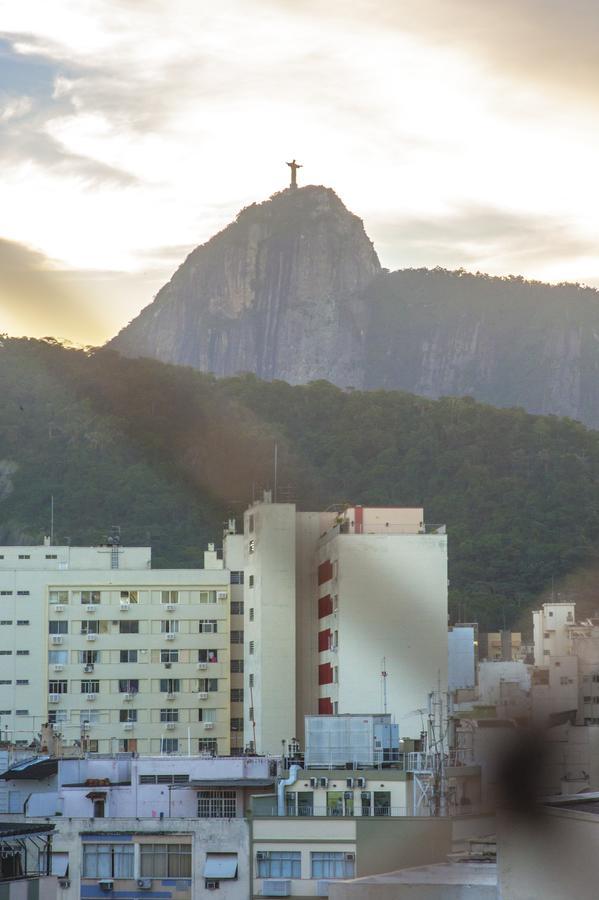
(294, 166)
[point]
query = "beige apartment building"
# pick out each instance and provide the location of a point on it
(119, 656)
(345, 613)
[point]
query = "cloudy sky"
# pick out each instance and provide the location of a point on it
(463, 132)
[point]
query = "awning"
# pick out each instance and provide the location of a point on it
(59, 864)
(220, 865)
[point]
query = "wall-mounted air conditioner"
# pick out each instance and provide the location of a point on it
(106, 884)
(56, 639)
(92, 636)
(208, 725)
(53, 698)
(128, 697)
(202, 665)
(90, 696)
(125, 605)
(168, 665)
(170, 726)
(350, 857)
(171, 695)
(90, 608)
(203, 695)
(57, 607)
(88, 667)
(144, 884)
(171, 607)
(221, 595)
(58, 667)
(169, 635)
(128, 726)
(64, 883)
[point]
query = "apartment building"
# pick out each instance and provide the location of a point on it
(233, 563)
(117, 655)
(345, 612)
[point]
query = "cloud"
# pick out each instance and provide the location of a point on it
(479, 237)
(41, 299)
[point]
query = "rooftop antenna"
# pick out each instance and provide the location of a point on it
(384, 676)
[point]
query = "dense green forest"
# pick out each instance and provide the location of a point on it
(168, 453)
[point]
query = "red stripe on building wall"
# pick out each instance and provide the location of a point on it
(325, 606)
(324, 640)
(359, 520)
(325, 673)
(325, 571)
(325, 706)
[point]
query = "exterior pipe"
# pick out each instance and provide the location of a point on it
(293, 770)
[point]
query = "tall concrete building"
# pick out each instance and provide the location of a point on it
(119, 656)
(344, 613)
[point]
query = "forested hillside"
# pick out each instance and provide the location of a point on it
(168, 453)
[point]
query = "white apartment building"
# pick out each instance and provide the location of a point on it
(233, 562)
(117, 655)
(344, 613)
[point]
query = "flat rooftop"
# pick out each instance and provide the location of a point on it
(474, 874)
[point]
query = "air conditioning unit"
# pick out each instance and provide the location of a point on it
(58, 667)
(64, 883)
(88, 667)
(125, 605)
(208, 725)
(360, 782)
(202, 665)
(56, 638)
(53, 698)
(91, 637)
(211, 885)
(107, 884)
(323, 782)
(349, 782)
(90, 696)
(169, 635)
(171, 695)
(168, 665)
(203, 695)
(128, 726)
(263, 854)
(57, 607)
(90, 608)
(350, 857)
(171, 607)
(221, 595)
(144, 884)
(170, 726)
(276, 887)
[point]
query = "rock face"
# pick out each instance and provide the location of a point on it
(274, 293)
(293, 290)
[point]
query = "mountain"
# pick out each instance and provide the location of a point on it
(293, 290)
(168, 453)
(273, 294)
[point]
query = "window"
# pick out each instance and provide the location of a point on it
(165, 860)
(170, 685)
(128, 656)
(250, 522)
(9, 681)
(208, 626)
(90, 686)
(382, 803)
(236, 665)
(22, 621)
(169, 715)
(129, 626)
(333, 864)
(210, 656)
(236, 724)
(6, 622)
(24, 556)
(237, 637)
(128, 745)
(164, 779)
(251, 648)
(57, 626)
(128, 685)
(57, 716)
(90, 597)
(251, 546)
(58, 597)
(90, 717)
(207, 685)
(169, 745)
(251, 679)
(236, 607)
(207, 596)
(127, 715)
(251, 714)
(131, 596)
(5, 712)
(207, 745)
(168, 626)
(217, 804)
(22, 652)
(5, 652)
(89, 657)
(237, 577)
(108, 860)
(23, 681)
(236, 695)
(280, 864)
(58, 687)
(169, 597)
(21, 712)
(251, 581)
(90, 627)
(51, 556)
(206, 715)
(5, 593)
(169, 656)
(251, 613)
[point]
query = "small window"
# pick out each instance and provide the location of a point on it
(236, 724)
(170, 685)
(92, 597)
(251, 581)
(129, 626)
(237, 577)
(251, 614)
(127, 715)
(169, 597)
(6, 622)
(251, 648)
(5, 652)
(207, 596)
(207, 685)
(169, 656)
(5, 593)
(208, 745)
(131, 596)
(58, 597)
(58, 626)
(208, 656)
(236, 695)
(51, 556)
(22, 621)
(22, 681)
(236, 665)
(237, 637)
(279, 864)
(250, 523)
(58, 687)
(24, 556)
(22, 593)
(251, 679)
(251, 546)
(236, 607)
(128, 656)
(21, 712)
(90, 687)
(208, 626)
(22, 652)
(169, 715)
(169, 745)
(169, 626)
(128, 685)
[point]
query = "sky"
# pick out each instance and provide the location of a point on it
(462, 132)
